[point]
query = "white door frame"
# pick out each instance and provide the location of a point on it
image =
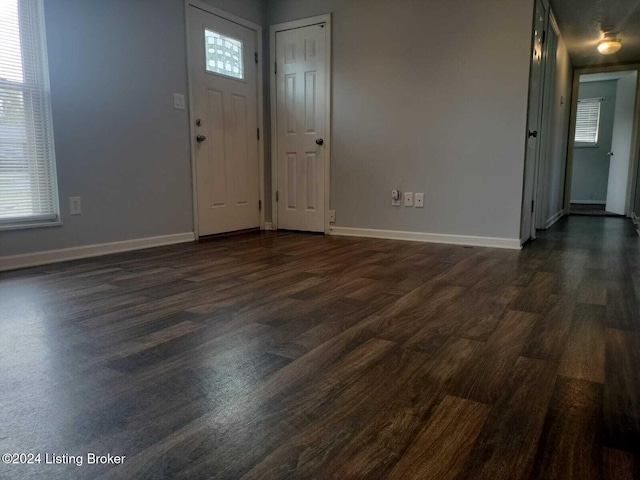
(539, 129)
(635, 140)
(305, 22)
(259, 92)
(540, 191)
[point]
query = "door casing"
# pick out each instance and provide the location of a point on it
(305, 22)
(259, 89)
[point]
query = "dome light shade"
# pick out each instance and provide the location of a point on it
(609, 46)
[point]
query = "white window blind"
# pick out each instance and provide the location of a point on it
(28, 185)
(588, 121)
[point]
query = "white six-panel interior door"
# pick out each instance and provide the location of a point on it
(536, 83)
(300, 102)
(225, 115)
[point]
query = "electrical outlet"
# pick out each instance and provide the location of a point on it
(75, 207)
(419, 200)
(408, 199)
(332, 216)
(179, 102)
(395, 198)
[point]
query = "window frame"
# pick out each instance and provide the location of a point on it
(40, 86)
(595, 143)
(222, 74)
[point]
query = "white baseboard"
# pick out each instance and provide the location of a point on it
(512, 243)
(589, 202)
(12, 262)
(554, 219)
(635, 218)
(268, 226)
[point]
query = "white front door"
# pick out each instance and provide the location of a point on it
(224, 90)
(527, 226)
(300, 122)
(620, 158)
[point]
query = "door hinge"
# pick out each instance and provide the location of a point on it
(256, 57)
(275, 67)
(259, 205)
(258, 134)
(277, 196)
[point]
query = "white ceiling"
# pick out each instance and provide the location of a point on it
(582, 23)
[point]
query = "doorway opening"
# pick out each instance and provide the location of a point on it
(603, 150)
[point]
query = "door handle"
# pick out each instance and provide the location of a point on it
(200, 138)
(320, 141)
(533, 134)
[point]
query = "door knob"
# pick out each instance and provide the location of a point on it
(533, 134)
(320, 141)
(200, 138)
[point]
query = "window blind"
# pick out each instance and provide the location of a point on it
(588, 121)
(28, 185)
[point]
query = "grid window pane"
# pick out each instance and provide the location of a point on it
(223, 55)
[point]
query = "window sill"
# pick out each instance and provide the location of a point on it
(594, 145)
(24, 226)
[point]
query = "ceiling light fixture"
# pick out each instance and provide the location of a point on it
(609, 45)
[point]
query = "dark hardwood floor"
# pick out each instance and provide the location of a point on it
(285, 355)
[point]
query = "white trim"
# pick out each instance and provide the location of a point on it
(222, 13)
(554, 219)
(260, 113)
(12, 262)
(23, 226)
(511, 243)
(268, 226)
(305, 22)
(589, 202)
(635, 218)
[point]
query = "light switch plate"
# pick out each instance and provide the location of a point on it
(179, 102)
(419, 200)
(408, 199)
(75, 207)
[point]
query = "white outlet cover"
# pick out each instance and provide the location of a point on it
(75, 207)
(419, 200)
(179, 102)
(408, 199)
(332, 216)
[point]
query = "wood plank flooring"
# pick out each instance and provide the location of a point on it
(284, 355)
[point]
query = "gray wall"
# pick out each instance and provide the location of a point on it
(120, 145)
(591, 165)
(428, 96)
(554, 160)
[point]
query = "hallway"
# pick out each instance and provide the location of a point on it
(284, 355)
